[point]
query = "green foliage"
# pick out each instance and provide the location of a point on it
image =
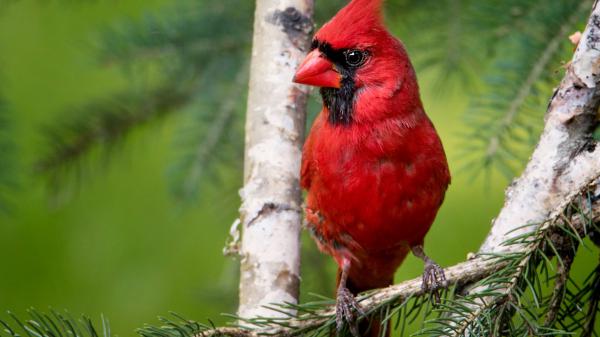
(7, 157)
(527, 46)
(187, 64)
(195, 62)
(532, 294)
(106, 123)
(52, 324)
(506, 55)
(197, 52)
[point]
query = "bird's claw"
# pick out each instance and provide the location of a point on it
(434, 279)
(346, 308)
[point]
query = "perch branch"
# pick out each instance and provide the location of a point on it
(462, 273)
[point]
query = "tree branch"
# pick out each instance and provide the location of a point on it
(460, 274)
(465, 272)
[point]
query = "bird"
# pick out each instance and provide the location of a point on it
(373, 165)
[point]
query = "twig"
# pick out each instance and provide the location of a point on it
(560, 285)
(229, 332)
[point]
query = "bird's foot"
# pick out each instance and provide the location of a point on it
(346, 308)
(434, 279)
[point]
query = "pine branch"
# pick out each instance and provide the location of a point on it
(191, 168)
(319, 317)
(560, 287)
(106, 122)
(52, 324)
(540, 67)
(468, 316)
(442, 28)
(316, 319)
(566, 158)
(504, 118)
(194, 33)
(573, 315)
(186, 47)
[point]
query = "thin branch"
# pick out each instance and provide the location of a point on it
(465, 272)
(231, 332)
(560, 285)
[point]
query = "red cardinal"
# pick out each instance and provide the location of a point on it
(373, 164)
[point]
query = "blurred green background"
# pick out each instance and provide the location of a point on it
(110, 236)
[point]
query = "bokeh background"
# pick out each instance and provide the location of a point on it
(121, 158)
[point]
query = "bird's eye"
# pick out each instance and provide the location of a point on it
(355, 58)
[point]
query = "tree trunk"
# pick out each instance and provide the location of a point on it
(275, 123)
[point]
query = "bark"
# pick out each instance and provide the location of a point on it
(275, 122)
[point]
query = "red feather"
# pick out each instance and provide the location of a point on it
(375, 184)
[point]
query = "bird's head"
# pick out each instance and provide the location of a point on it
(351, 54)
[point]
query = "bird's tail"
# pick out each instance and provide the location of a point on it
(371, 327)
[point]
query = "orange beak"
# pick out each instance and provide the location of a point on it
(317, 71)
